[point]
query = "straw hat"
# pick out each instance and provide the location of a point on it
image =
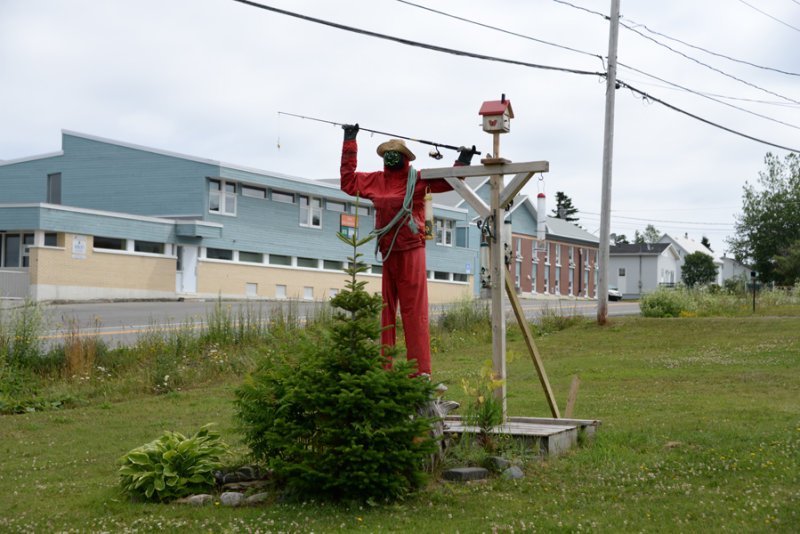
(398, 145)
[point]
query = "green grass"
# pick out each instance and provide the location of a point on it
(700, 432)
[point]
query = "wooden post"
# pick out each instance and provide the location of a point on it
(498, 276)
(573, 395)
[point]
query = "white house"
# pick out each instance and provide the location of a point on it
(684, 245)
(640, 268)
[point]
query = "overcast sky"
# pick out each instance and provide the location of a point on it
(207, 78)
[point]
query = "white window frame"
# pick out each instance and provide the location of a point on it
(310, 214)
(445, 232)
(223, 195)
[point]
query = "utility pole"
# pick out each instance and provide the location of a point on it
(608, 150)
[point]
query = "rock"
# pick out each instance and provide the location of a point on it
(497, 463)
(244, 486)
(464, 474)
(231, 498)
(513, 473)
(196, 500)
(257, 498)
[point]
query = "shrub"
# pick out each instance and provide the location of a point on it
(328, 418)
(666, 303)
(172, 466)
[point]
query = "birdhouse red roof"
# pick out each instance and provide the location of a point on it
(496, 107)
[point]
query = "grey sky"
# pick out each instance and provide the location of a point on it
(207, 78)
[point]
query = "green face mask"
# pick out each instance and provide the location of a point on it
(392, 159)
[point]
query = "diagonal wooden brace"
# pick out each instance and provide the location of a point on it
(526, 334)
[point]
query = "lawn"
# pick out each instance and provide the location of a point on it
(700, 432)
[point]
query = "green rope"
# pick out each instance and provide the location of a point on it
(401, 217)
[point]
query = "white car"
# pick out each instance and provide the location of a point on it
(614, 293)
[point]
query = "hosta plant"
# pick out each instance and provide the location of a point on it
(173, 466)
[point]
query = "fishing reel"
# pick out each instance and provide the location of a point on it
(435, 154)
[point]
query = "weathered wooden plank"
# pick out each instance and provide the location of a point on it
(573, 395)
(510, 191)
(485, 170)
(470, 197)
(534, 352)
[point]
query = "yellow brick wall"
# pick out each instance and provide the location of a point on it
(231, 279)
(57, 267)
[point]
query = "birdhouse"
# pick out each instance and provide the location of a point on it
(497, 115)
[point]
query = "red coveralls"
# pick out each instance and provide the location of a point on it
(404, 278)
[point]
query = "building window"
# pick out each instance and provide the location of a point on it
(51, 239)
(277, 259)
(459, 277)
(362, 210)
(558, 281)
(254, 192)
(441, 275)
(280, 291)
(219, 254)
(546, 278)
(222, 197)
(308, 293)
(558, 254)
(571, 255)
(150, 247)
(547, 253)
(310, 211)
(108, 243)
(444, 232)
(335, 205)
(54, 188)
(377, 269)
(280, 196)
(251, 257)
(621, 271)
(332, 265)
(310, 263)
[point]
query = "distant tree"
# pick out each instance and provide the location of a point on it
(650, 235)
(770, 220)
(787, 263)
(564, 208)
(621, 239)
(698, 269)
(706, 243)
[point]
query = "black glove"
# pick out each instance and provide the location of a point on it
(350, 131)
(465, 155)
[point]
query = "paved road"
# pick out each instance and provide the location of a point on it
(123, 322)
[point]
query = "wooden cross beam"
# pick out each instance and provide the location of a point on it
(501, 197)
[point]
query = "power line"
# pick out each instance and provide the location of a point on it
(706, 65)
(701, 119)
(770, 16)
(658, 220)
(711, 52)
(582, 8)
(711, 98)
(476, 23)
(509, 61)
(418, 44)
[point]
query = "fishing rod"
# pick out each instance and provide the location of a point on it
(434, 154)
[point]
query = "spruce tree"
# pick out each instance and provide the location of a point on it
(329, 419)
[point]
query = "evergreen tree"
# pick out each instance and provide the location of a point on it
(328, 418)
(706, 243)
(564, 208)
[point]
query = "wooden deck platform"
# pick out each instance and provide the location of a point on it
(555, 436)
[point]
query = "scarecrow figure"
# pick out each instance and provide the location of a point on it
(397, 193)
